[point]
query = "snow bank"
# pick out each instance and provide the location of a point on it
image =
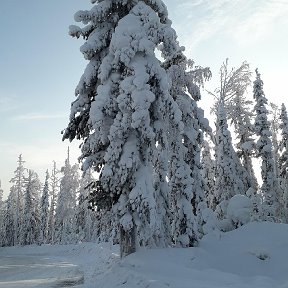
(255, 255)
(251, 256)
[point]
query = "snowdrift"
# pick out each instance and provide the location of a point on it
(255, 255)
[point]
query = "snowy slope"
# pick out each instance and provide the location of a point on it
(254, 255)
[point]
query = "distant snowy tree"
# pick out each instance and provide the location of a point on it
(228, 180)
(1, 196)
(185, 180)
(269, 187)
(84, 217)
(18, 187)
(208, 175)
(182, 192)
(283, 160)
(44, 211)
(2, 207)
(245, 144)
(30, 229)
(275, 129)
(123, 112)
(188, 170)
(233, 85)
(54, 189)
(9, 219)
(66, 204)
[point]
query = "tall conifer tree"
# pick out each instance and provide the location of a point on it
(283, 160)
(9, 219)
(2, 204)
(66, 204)
(30, 228)
(18, 187)
(123, 112)
(84, 217)
(228, 180)
(44, 210)
(275, 129)
(233, 85)
(186, 181)
(54, 189)
(208, 175)
(269, 187)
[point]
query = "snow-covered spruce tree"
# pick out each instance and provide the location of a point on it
(1, 198)
(66, 204)
(1, 216)
(83, 216)
(30, 229)
(233, 85)
(208, 175)
(283, 160)
(9, 218)
(240, 116)
(193, 140)
(54, 189)
(269, 187)
(180, 174)
(275, 129)
(185, 170)
(185, 178)
(122, 112)
(183, 224)
(228, 181)
(44, 211)
(104, 226)
(18, 187)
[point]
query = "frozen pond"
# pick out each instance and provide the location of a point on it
(38, 271)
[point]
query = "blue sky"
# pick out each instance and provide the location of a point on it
(40, 64)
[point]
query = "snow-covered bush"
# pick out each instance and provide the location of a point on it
(239, 210)
(210, 221)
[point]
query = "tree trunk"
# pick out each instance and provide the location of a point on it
(127, 241)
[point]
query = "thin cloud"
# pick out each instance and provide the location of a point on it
(7, 103)
(243, 20)
(262, 21)
(40, 116)
(201, 20)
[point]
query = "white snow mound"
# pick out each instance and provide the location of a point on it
(253, 256)
(240, 209)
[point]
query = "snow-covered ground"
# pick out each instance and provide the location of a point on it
(255, 255)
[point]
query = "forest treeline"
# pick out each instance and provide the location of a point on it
(226, 192)
(164, 177)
